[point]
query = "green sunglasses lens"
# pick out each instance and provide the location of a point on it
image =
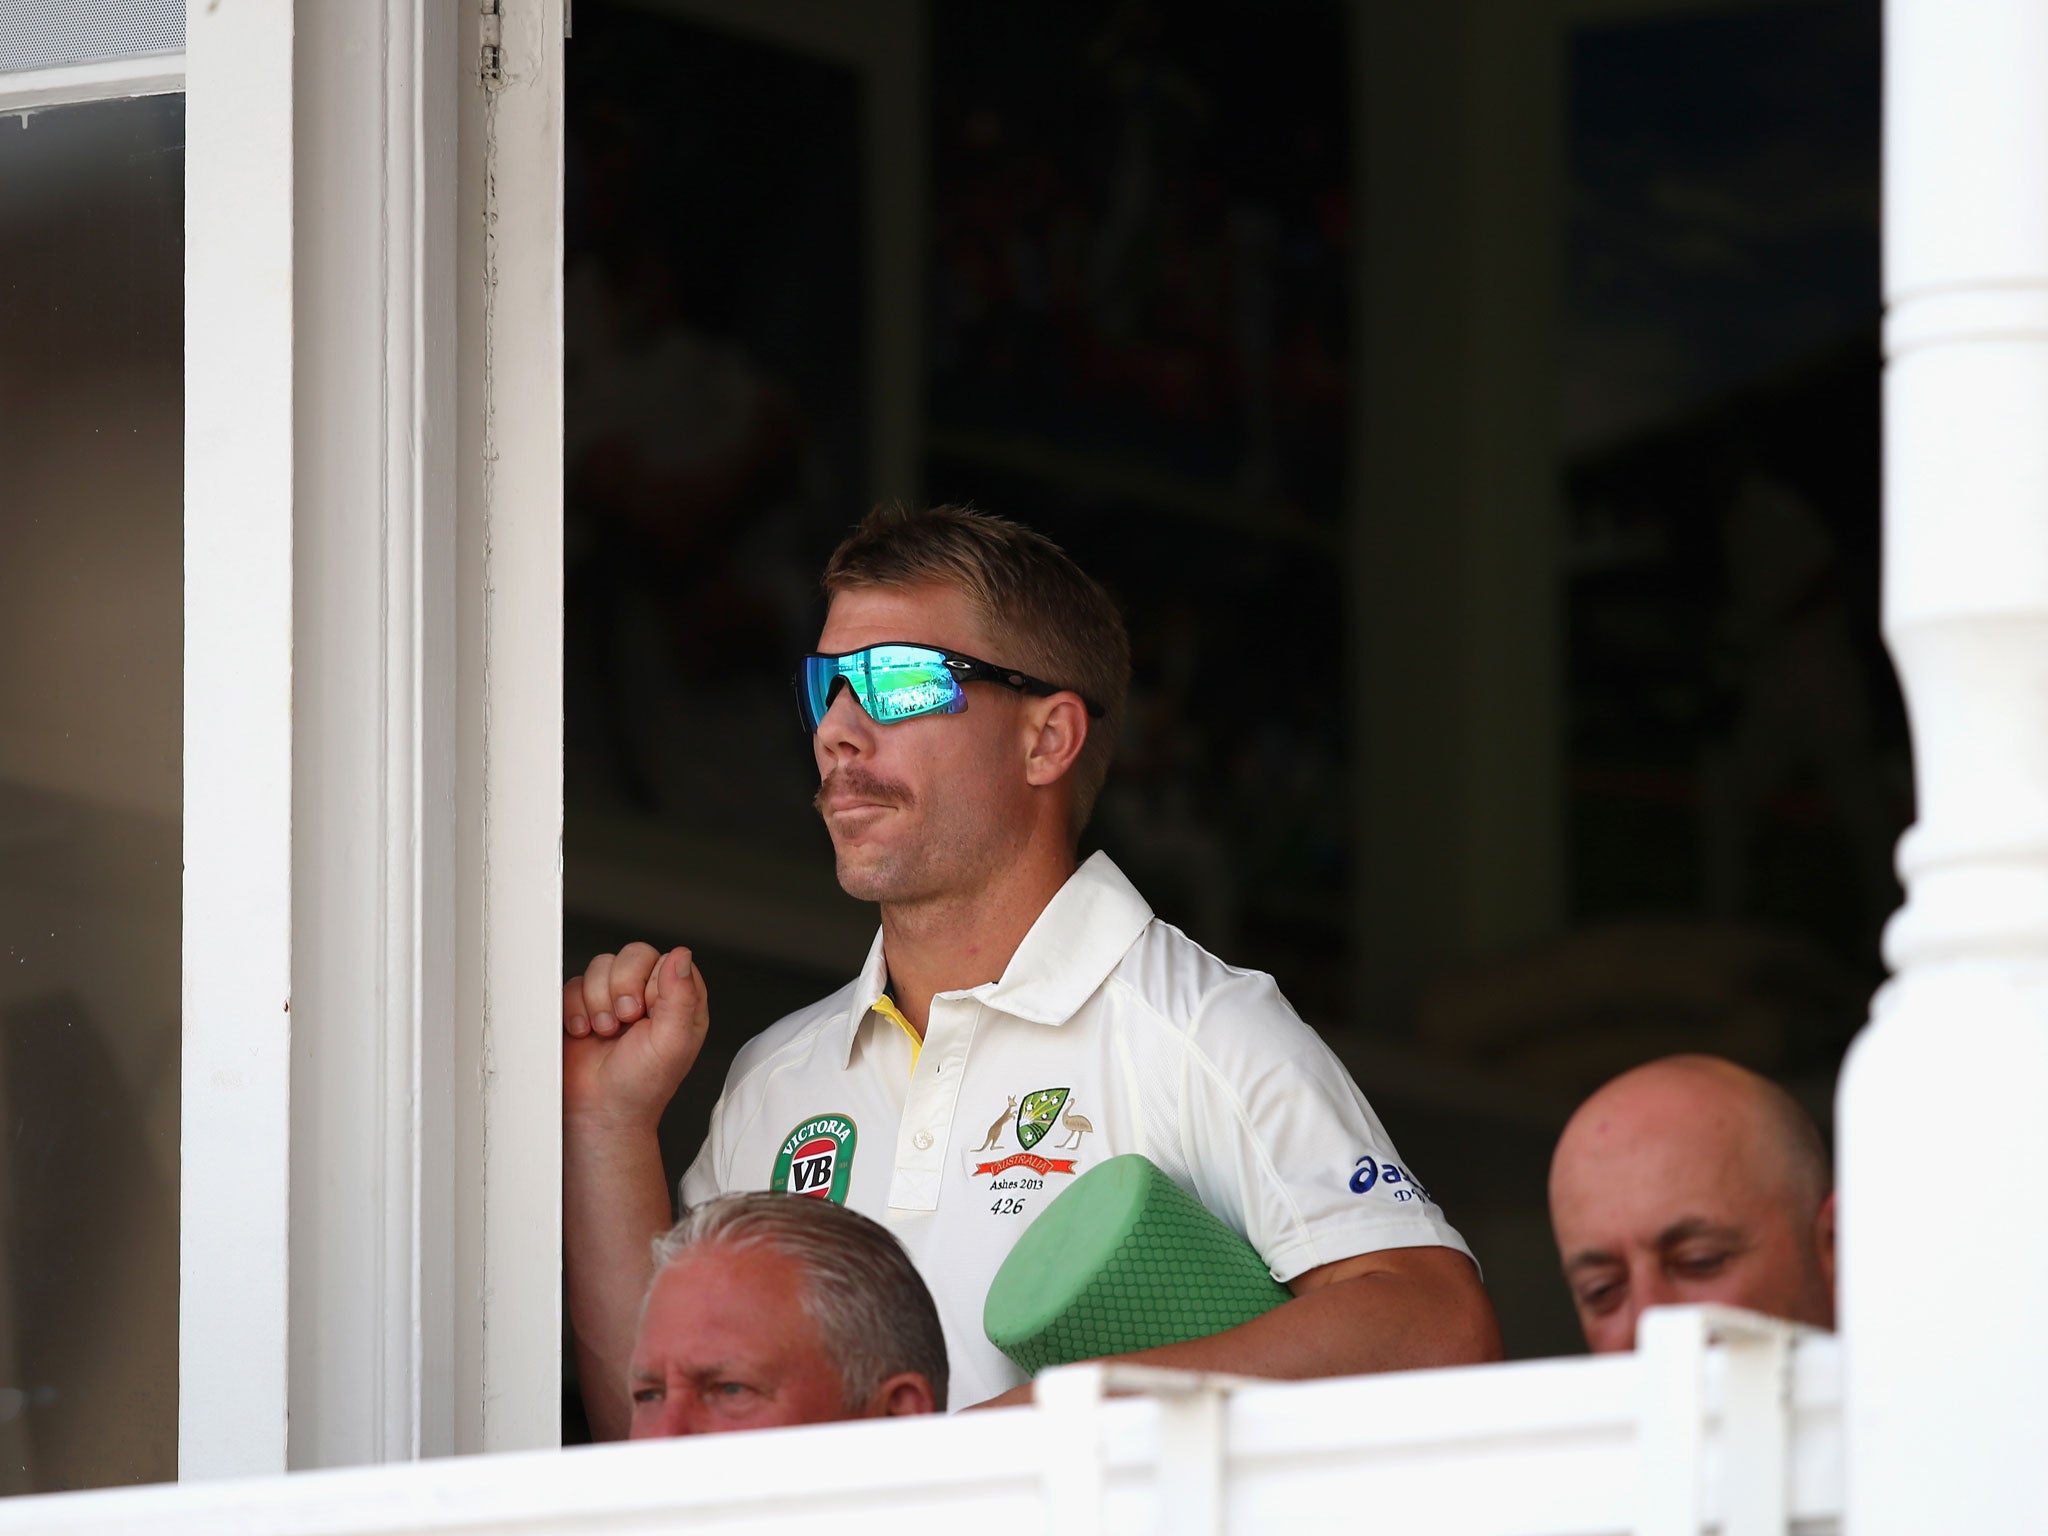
(892, 682)
(907, 680)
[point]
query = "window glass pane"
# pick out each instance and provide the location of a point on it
(1738, 749)
(91, 469)
(715, 422)
(43, 34)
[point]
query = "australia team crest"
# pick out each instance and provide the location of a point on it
(1042, 1113)
(1036, 1115)
(816, 1159)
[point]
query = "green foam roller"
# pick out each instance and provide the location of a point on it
(1124, 1259)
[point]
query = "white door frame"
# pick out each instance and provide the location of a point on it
(371, 1112)
(508, 1261)
(235, 1105)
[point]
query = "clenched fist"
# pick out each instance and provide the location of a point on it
(632, 1025)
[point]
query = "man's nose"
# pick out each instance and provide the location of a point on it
(680, 1415)
(846, 729)
(1645, 1292)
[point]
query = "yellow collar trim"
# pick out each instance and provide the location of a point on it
(887, 1008)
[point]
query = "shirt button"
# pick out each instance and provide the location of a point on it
(922, 1141)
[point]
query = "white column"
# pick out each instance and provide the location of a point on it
(371, 1148)
(236, 1083)
(1943, 1137)
(373, 838)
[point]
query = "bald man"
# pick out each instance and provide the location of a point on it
(1692, 1180)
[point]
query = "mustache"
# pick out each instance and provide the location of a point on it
(864, 785)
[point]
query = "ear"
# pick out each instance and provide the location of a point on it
(907, 1392)
(1058, 726)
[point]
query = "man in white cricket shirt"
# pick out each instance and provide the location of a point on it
(1019, 1018)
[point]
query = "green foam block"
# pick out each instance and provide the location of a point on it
(1124, 1259)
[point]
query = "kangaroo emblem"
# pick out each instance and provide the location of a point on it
(995, 1131)
(1077, 1126)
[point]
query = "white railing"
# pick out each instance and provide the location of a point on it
(1720, 1421)
(1949, 1412)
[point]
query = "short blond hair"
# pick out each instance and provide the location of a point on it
(1052, 618)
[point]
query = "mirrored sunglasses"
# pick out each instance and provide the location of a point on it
(900, 681)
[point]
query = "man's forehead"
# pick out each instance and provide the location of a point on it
(1656, 1147)
(1646, 1203)
(700, 1342)
(719, 1301)
(1686, 1106)
(927, 614)
(1635, 1186)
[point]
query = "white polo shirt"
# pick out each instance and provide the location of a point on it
(1110, 1032)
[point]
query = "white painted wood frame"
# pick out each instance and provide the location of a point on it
(508, 1372)
(1941, 1132)
(28, 90)
(235, 1109)
(371, 1176)
(375, 1157)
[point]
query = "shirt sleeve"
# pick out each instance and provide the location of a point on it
(1283, 1146)
(704, 1179)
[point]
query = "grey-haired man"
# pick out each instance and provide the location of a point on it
(771, 1309)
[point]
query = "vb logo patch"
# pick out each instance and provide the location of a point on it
(816, 1159)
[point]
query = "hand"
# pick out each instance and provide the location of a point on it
(632, 1025)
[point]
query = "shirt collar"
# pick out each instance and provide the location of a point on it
(1069, 952)
(1077, 941)
(872, 983)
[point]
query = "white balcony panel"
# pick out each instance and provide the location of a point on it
(1543, 1448)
